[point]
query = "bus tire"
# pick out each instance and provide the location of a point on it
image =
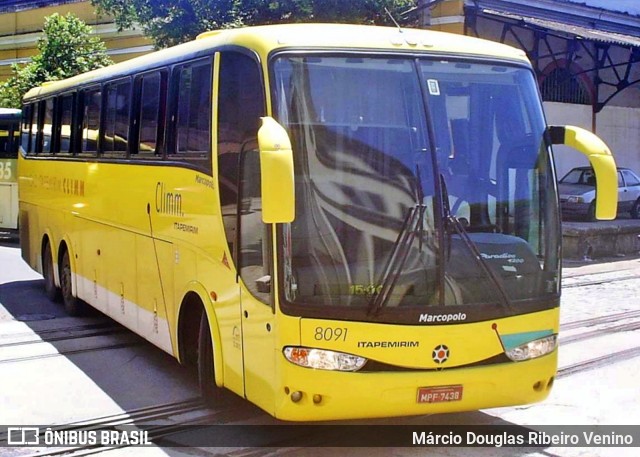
(206, 376)
(50, 288)
(72, 304)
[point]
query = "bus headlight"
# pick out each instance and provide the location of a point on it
(323, 359)
(533, 349)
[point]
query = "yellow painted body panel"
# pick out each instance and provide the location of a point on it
(603, 164)
(116, 243)
(368, 395)
(412, 346)
(276, 163)
(394, 393)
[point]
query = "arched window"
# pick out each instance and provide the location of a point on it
(562, 86)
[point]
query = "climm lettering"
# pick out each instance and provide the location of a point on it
(168, 202)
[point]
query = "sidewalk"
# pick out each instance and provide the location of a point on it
(601, 239)
(628, 263)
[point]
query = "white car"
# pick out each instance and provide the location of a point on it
(578, 192)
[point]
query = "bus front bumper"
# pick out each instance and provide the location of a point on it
(313, 395)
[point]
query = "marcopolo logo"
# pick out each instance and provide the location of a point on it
(442, 318)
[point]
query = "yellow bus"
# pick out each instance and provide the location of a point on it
(9, 142)
(331, 221)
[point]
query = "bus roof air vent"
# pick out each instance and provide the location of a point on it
(209, 34)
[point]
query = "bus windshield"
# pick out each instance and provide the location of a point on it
(420, 184)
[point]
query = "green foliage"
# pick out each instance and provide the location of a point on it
(66, 48)
(169, 22)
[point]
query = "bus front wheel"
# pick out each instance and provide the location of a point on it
(211, 394)
(72, 304)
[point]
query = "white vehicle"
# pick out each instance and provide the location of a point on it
(578, 193)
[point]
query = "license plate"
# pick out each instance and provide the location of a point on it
(439, 394)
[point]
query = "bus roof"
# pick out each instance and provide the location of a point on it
(10, 113)
(268, 38)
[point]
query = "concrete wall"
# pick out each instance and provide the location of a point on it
(619, 127)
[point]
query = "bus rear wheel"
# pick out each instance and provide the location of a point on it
(50, 288)
(72, 304)
(211, 394)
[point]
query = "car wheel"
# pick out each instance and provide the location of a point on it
(635, 211)
(591, 212)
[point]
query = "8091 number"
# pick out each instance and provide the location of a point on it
(330, 334)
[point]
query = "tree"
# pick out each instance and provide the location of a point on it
(169, 22)
(66, 48)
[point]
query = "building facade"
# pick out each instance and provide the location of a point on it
(21, 23)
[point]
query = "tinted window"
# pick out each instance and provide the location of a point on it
(26, 127)
(91, 120)
(8, 138)
(47, 127)
(35, 128)
(194, 110)
(151, 111)
(240, 106)
(66, 116)
(116, 122)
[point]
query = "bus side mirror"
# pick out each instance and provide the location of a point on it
(601, 161)
(276, 170)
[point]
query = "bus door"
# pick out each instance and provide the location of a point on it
(254, 258)
(241, 104)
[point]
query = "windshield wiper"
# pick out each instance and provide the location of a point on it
(451, 220)
(412, 224)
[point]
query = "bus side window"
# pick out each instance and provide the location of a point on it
(64, 123)
(35, 140)
(25, 142)
(47, 127)
(152, 88)
(5, 139)
(91, 103)
(115, 134)
(192, 112)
